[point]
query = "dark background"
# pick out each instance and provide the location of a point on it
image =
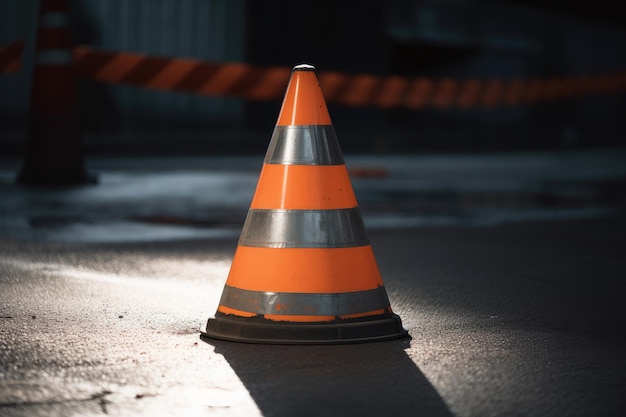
(459, 39)
(507, 267)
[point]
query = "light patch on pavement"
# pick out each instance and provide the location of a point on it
(205, 272)
(49, 390)
(186, 285)
(169, 271)
(132, 400)
(110, 231)
(154, 364)
(191, 401)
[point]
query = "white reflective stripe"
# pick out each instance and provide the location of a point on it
(336, 228)
(304, 145)
(54, 57)
(305, 304)
(54, 20)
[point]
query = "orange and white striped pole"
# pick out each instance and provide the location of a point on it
(53, 154)
(304, 271)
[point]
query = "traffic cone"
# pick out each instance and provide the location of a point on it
(304, 271)
(53, 154)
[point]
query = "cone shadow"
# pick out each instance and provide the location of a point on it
(376, 379)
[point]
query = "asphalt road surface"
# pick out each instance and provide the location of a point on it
(508, 274)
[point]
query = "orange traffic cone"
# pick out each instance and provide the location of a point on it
(304, 271)
(53, 149)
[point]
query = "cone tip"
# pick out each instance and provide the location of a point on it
(304, 67)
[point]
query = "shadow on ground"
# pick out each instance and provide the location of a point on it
(362, 379)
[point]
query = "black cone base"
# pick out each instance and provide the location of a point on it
(260, 330)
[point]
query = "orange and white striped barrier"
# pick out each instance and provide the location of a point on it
(195, 76)
(53, 147)
(359, 90)
(185, 75)
(304, 270)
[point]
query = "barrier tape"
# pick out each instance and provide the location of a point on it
(186, 75)
(256, 83)
(269, 83)
(11, 57)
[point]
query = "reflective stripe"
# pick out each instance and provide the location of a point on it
(54, 20)
(305, 304)
(54, 57)
(340, 228)
(304, 145)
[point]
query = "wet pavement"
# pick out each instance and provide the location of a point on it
(507, 270)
